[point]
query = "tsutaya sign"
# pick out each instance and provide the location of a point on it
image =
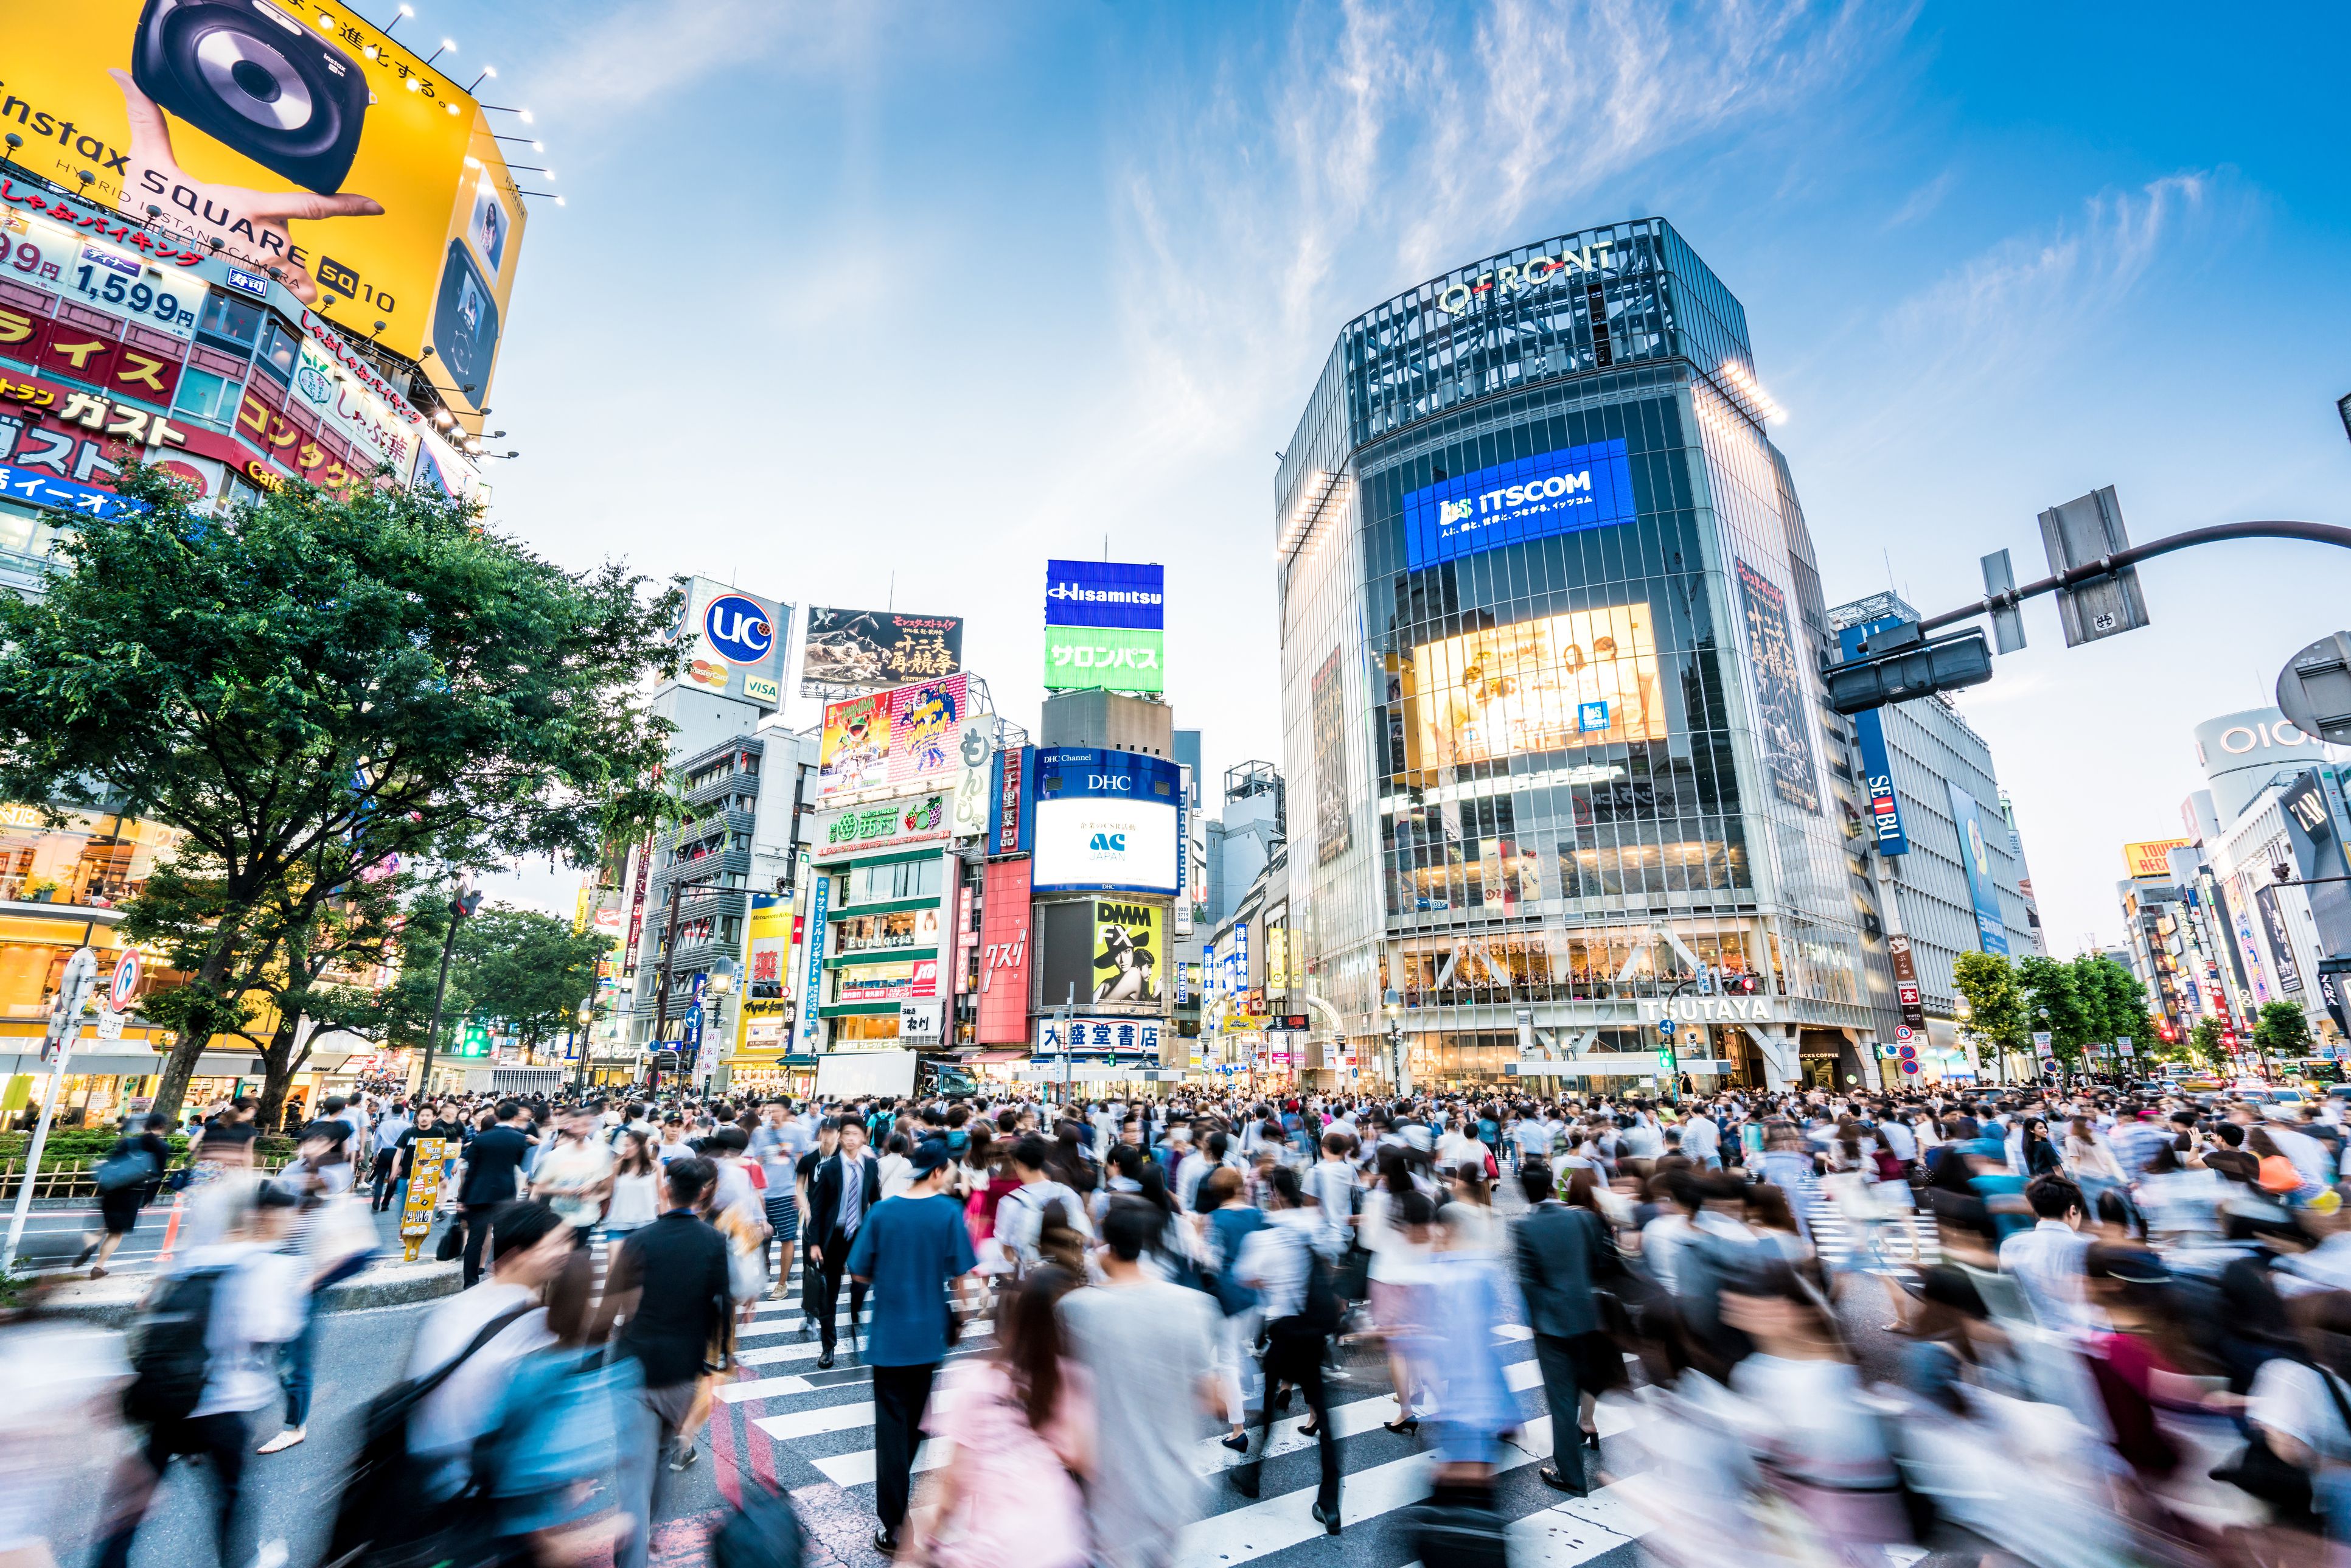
(1460, 297)
(1708, 1009)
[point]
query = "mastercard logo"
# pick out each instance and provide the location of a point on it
(707, 673)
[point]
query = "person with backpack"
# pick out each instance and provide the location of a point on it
(204, 1363)
(128, 1179)
(1297, 1294)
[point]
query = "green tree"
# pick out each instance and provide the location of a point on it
(1996, 1018)
(2052, 1002)
(2113, 1002)
(319, 689)
(526, 971)
(2280, 1029)
(2203, 1044)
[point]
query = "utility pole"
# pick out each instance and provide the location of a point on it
(669, 946)
(461, 908)
(56, 1050)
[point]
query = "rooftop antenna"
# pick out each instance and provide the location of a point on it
(892, 603)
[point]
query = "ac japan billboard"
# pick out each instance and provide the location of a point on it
(294, 137)
(1105, 819)
(734, 643)
(854, 651)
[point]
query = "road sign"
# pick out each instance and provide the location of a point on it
(1665, 1027)
(2041, 1045)
(1902, 1032)
(2081, 533)
(126, 980)
(109, 1024)
(1910, 1067)
(2314, 690)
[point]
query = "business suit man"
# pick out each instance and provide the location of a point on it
(844, 1192)
(1561, 1254)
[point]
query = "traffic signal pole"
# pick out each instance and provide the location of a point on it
(2107, 566)
(460, 908)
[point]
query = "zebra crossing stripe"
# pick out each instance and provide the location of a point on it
(770, 1356)
(762, 1388)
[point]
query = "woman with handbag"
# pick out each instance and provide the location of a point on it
(127, 1182)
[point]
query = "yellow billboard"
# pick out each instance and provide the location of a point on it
(301, 140)
(1588, 677)
(2151, 858)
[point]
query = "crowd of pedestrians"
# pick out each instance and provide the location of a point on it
(2049, 1325)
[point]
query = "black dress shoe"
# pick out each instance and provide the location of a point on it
(885, 1543)
(1327, 1518)
(1557, 1482)
(824, 1361)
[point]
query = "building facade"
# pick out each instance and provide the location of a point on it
(1550, 705)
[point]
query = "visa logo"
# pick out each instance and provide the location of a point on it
(1109, 844)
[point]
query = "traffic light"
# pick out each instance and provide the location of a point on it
(475, 1040)
(1899, 663)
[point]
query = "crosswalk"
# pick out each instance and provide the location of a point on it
(781, 1423)
(1906, 1240)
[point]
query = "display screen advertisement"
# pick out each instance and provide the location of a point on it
(871, 829)
(1105, 819)
(1004, 950)
(1105, 658)
(733, 643)
(2283, 962)
(1886, 829)
(1532, 498)
(1783, 733)
(1008, 779)
(1975, 859)
(854, 651)
(1327, 707)
(2150, 858)
(908, 734)
(1588, 677)
(1103, 953)
(298, 137)
(1105, 593)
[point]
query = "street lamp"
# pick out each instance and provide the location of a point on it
(716, 981)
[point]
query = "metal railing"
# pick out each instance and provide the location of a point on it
(77, 1178)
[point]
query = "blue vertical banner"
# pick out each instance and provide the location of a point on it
(813, 994)
(1886, 828)
(1975, 859)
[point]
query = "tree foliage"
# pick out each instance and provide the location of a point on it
(2281, 1028)
(2203, 1044)
(1996, 1016)
(315, 691)
(518, 969)
(2052, 1002)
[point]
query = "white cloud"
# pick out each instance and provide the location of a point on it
(1258, 209)
(647, 51)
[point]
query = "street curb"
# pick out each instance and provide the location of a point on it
(111, 1301)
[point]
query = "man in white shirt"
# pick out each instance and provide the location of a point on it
(529, 1245)
(257, 1299)
(1020, 1216)
(1702, 1140)
(2049, 1261)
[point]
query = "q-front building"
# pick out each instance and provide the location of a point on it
(1551, 721)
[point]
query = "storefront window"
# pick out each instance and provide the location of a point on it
(96, 858)
(906, 879)
(865, 1027)
(899, 928)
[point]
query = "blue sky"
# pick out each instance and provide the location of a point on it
(943, 290)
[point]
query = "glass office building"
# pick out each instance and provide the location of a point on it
(1552, 724)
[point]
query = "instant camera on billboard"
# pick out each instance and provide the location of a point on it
(854, 651)
(1588, 677)
(1531, 498)
(1104, 951)
(298, 137)
(1105, 819)
(735, 642)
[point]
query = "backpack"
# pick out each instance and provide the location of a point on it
(763, 1533)
(173, 1360)
(378, 1516)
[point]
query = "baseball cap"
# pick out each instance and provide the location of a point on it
(929, 1155)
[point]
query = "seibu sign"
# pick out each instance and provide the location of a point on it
(1706, 1009)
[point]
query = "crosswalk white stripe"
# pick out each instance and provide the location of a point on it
(762, 1388)
(767, 1355)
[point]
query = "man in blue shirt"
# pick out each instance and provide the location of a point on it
(909, 1250)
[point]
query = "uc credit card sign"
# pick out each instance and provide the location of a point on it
(1534, 497)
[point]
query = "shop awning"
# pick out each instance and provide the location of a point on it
(997, 1056)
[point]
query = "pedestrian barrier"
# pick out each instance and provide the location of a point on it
(79, 1178)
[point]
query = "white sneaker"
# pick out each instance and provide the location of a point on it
(278, 1445)
(273, 1554)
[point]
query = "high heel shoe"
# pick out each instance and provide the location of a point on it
(1327, 1518)
(1404, 1425)
(1309, 1430)
(1591, 1440)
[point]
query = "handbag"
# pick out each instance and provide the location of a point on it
(453, 1243)
(128, 1168)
